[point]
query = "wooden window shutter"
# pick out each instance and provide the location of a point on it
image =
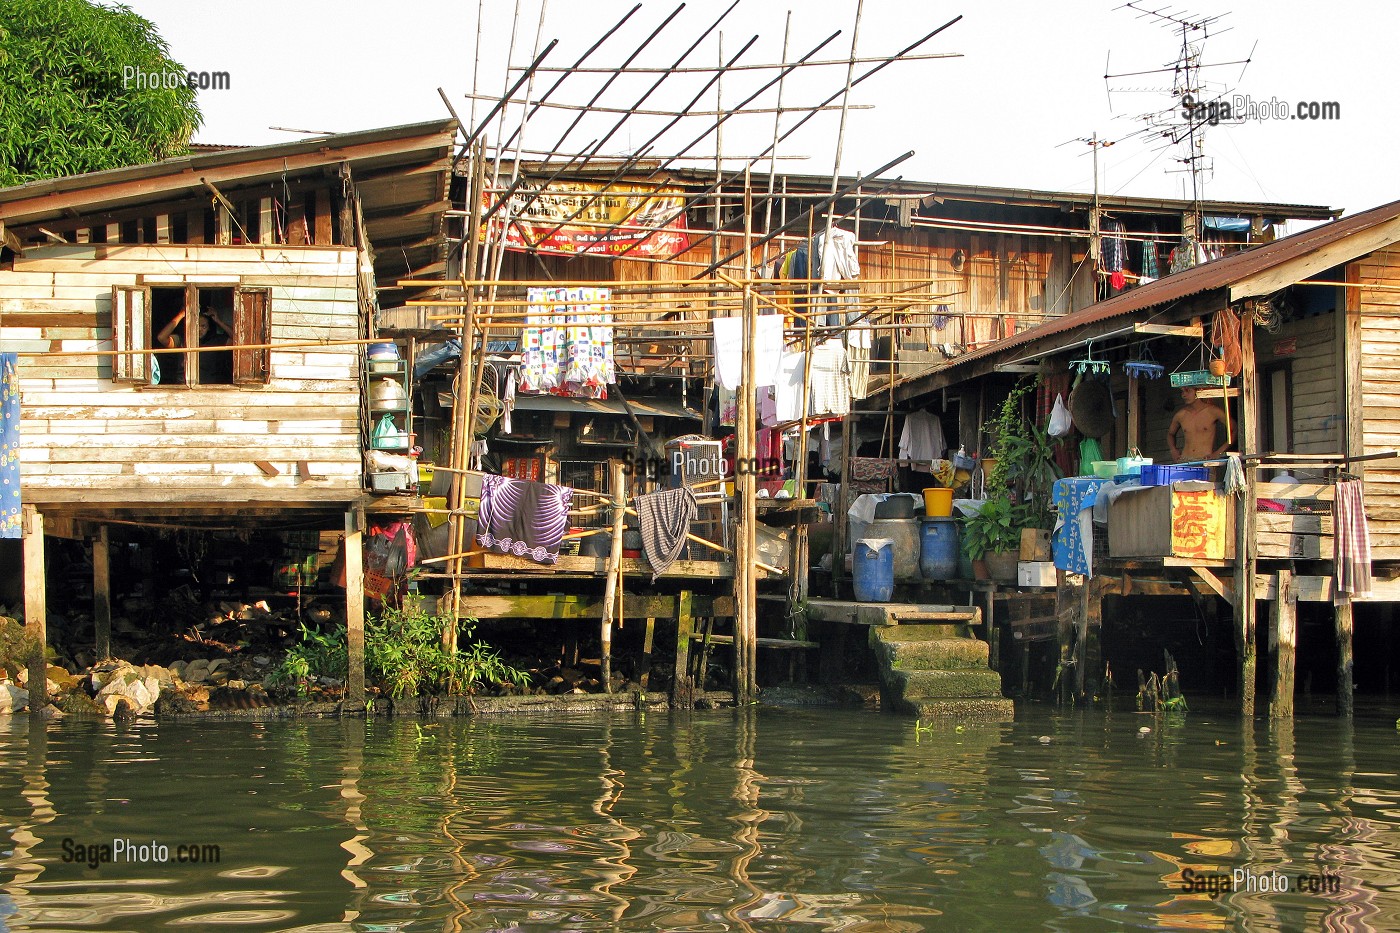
(252, 326)
(131, 330)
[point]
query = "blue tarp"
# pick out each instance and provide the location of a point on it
(1071, 547)
(9, 447)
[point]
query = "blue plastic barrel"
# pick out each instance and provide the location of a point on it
(872, 570)
(938, 548)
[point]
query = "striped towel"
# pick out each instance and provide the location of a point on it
(665, 519)
(1352, 542)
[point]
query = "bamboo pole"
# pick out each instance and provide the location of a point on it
(612, 587)
(746, 602)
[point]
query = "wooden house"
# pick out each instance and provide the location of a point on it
(189, 333)
(1314, 318)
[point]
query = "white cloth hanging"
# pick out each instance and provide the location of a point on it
(838, 256)
(922, 438)
(831, 388)
(729, 350)
(787, 390)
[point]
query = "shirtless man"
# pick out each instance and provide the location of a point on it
(1196, 420)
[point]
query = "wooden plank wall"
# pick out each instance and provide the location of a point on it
(1317, 421)
(87, 439)
(1380, 393)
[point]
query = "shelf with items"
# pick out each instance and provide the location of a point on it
(386, 394)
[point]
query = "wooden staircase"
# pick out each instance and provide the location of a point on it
(933, 667)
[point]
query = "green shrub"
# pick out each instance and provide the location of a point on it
(404, 655)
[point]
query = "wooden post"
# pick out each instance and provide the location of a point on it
(36, 613)
(1092, 650)
(102, 593)
(840, 546)
(1283, 625)
(612, 586)
(745, 485)
(355, 609)
(682, 686)
(223, 225)
(1245, 539)
(1353, 412)
(1345, 684)
(1134, 414)
(1066, 609)
(194, 226)
(993, 636)
(644, 663)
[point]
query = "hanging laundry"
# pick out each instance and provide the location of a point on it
(1117, 280)
(729, 350)
(567, 344)
(728, 402)
(767, 407)
(831, 387)
(858, 342)
(787, 390)
(523, 518)
(1151, 262)
(869, 475)
(922, 440)
(665, 518)
(10, 523)
(1112, 247)
(1351, 542)
(838, 257)
(768, 452)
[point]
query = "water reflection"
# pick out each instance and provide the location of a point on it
(748, 820)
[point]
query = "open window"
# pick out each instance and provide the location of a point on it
(204, 320)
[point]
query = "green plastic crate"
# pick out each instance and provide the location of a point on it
(1198, 377)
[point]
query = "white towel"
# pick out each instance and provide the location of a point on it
(729, 350)
(831, 389)
(787, 391)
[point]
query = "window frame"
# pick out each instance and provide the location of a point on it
(132, 331)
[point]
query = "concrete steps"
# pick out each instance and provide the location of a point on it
(938, 670)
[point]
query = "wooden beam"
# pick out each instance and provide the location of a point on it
(1208, 577)
(296, 224)
(323, 235)
(1192, 331)
(355, 609)
(102, 593)
(36, 612)
(644, 662)
(1283, 626)
(1345, 674)
(267, 226)
(8, 239)
(194, 225)
(1353, 408)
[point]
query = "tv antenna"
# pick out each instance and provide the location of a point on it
(1197, 102)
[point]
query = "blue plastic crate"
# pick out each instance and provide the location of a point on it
(1164, 474)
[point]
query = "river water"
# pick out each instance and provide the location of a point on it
(766, 819)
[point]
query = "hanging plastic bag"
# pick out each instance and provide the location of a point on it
(1060, 421)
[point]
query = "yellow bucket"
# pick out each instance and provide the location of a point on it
(938, 502)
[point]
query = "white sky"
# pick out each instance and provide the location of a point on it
(1030, 81)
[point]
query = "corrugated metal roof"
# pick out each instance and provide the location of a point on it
(1209, 276)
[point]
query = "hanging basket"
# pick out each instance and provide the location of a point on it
(1198, 378)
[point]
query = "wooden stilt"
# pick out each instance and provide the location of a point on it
(612, 587)
(355, 609)
(1087, 595)
(993, 636)
(36, 612)
(1066, 610)
(682, 687)
(102, 593)
(1245, 538)
(1092, 649)
(1283, 628)
(1345, 684)
(644, 662)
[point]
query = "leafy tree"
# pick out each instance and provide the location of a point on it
(69, 101)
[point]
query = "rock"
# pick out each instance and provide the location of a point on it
(237, 685)
(261, 660)
(178, 668)
(163, 675)
(12, 699)
(131, 688)
(217, 664)
(79, 704)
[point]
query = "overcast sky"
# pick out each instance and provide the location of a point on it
(1029, 83)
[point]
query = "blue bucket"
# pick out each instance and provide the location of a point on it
(872, 570)
(938, 548)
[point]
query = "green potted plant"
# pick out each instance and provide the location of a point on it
(991, 538)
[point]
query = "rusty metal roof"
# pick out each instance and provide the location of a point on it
(1219, 273)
